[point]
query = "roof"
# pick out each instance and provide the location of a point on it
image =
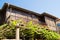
(19, 9)
(58, 20)
(49, 15)
(6, 5)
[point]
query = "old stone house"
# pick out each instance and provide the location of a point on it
(11, 12)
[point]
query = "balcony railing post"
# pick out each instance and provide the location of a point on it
(17, 32)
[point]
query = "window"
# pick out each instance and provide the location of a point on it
(58, 24)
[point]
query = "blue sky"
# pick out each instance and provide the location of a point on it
(50, 6)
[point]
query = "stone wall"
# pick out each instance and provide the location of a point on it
(50, 23)
(58, 27)
(14, 15)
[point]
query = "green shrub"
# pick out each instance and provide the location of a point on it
(29, 30)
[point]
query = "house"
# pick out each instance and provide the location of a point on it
(11, 12)
(58, 25)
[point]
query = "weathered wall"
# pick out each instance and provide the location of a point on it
(58, 21)
(50, 23)
(20, 15)
(58, 27)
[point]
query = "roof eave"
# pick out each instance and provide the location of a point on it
(51, 16)
(6, 5)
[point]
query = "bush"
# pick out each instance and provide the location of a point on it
(28, 30)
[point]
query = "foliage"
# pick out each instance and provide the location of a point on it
(28, 30)
(47, 34)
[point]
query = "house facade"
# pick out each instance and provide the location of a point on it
(10, 12)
